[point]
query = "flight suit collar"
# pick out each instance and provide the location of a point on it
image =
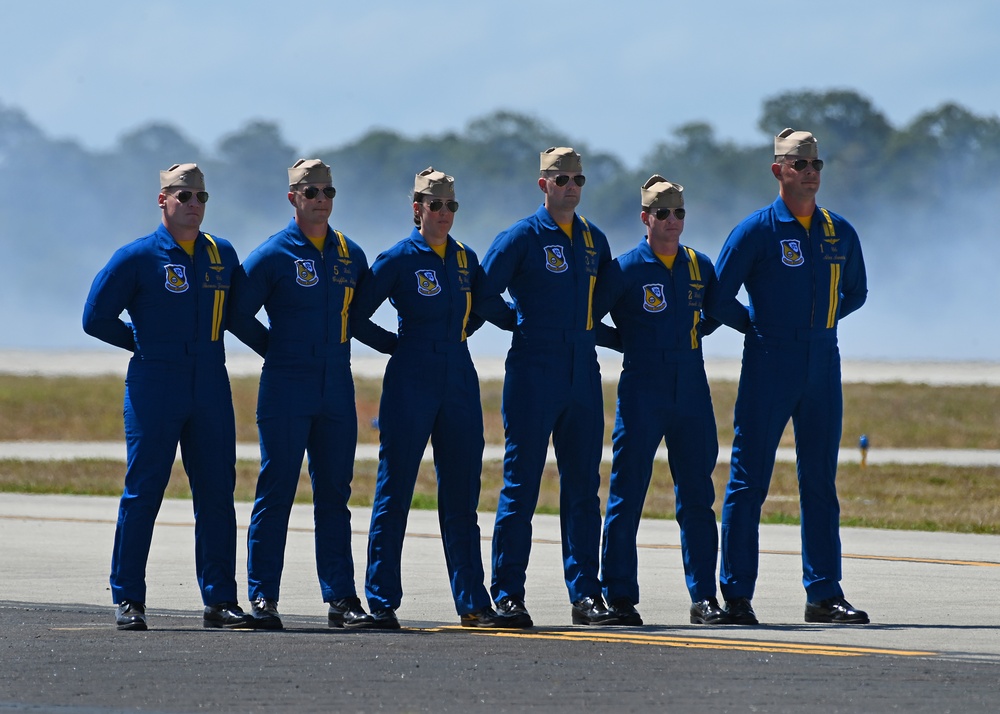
(546, 219)
(165, 240)
(299, 238)
(783, 213)
(648, 256)
(420, 244)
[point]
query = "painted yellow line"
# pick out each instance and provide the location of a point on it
(639, 638)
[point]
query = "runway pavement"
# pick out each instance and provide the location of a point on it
(933, 644)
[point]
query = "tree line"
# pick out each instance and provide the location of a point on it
(65, 208)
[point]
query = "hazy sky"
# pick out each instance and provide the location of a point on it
(619, 75)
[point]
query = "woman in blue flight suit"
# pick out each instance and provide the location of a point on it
(430, 390)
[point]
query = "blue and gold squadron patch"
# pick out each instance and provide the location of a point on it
(305, 273)
(177, 281)
(791, 253)
(653, 299)
(427, 282)
(555, 259)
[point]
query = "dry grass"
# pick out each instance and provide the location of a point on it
(892, 415)
(930, 498)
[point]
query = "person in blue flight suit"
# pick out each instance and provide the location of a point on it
(305, 278)
(174, 284)
(548, 263)
(803, 270)
(655, 294)
(430, 391)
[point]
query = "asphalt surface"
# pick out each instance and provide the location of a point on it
(933, 645)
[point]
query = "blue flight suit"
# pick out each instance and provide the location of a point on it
(663, 393)
(176, 391)
(552, 387)
(800, 284)
(430, 391)
(305, 402)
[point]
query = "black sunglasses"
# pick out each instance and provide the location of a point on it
(185, 196)
(437, 204)
(563, 179)
(312, 192)
(800, 164)
(663, 213)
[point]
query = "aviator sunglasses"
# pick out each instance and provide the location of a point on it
(437, 204)
(563, 179)
(185, 196)
(800, 164)
(312, 192)
(663, 213)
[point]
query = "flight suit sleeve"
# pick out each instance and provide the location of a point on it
(246, 296)
(493, 277)
(854, 285)
(374, 286)
(109, 295)
(607, 293)
(731, 270)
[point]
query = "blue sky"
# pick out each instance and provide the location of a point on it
(618, 79)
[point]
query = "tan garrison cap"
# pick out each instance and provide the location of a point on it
(657, 192)
(431, 182)
(561, 158)
(796, 143)
(183, 176)
(309, 171)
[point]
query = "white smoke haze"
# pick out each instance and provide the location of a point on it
(932, 272)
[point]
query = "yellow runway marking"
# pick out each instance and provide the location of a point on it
(705, 643)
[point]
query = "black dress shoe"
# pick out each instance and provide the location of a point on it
(265, 614)
(624, 612)
(228, 615)
(835, 610)
(485, 617)
(348, 612)
(740, 612)
(592, 611)
(131, 615)
(514, 612)
(708, 612)
(384, 620)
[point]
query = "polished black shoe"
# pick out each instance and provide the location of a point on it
(835, 610)
(228, 615)
(624, 612)
(384, 620)
(265, 614)
(740, 612)
(708, 612)
(131, 615)
(592, 611)
(515, 613)
(485, 617)
(348, 612)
